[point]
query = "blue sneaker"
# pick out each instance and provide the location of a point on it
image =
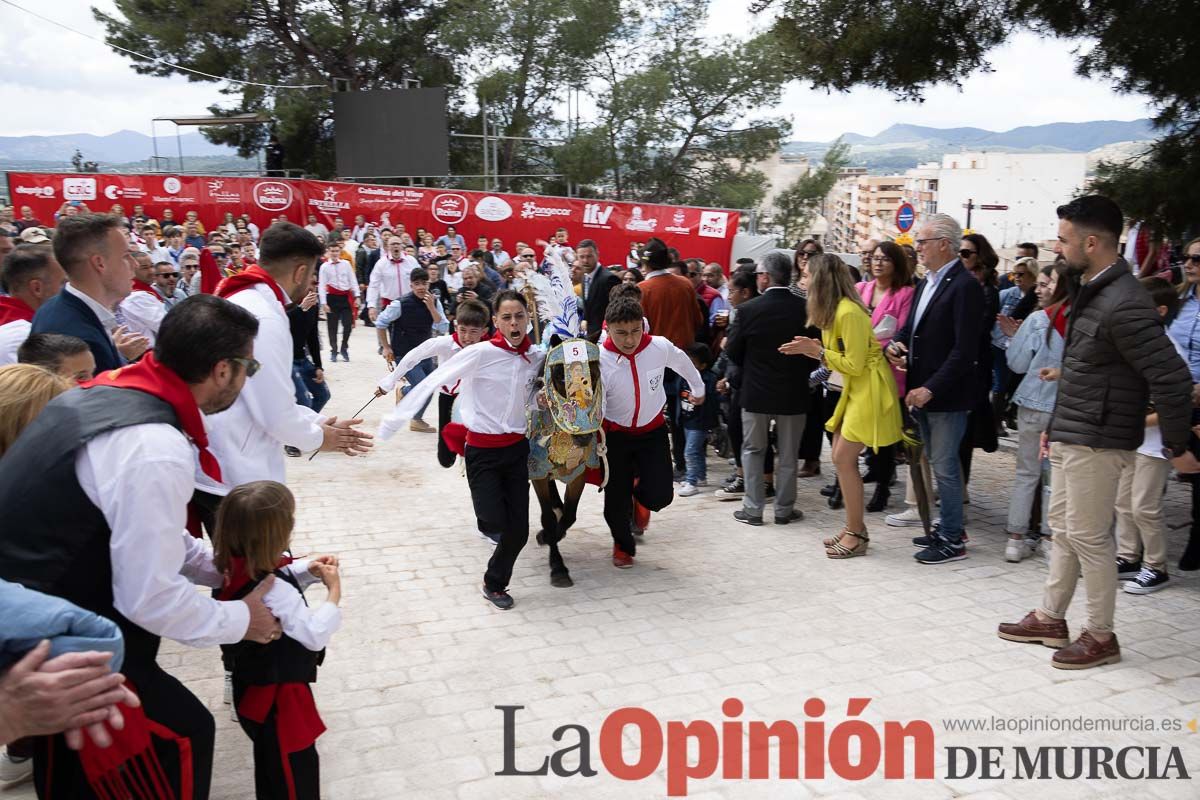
(942, 552)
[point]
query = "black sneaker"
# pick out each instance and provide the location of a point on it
(827, 491)
(293, 452)
(494, 538)
(935, 535)
(769, 490)
(333, 356)
(941, 552)
(731, 491)
(1128, 570)
(501, 600)
(795, 516)
(742, 516)
(679, 475)
(731, 479)
(346, 356)
(1147, 581)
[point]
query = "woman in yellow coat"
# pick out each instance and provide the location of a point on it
(868, 413)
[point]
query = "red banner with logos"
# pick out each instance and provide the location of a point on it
(614, 226)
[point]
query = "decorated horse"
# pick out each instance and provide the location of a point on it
(566, 441)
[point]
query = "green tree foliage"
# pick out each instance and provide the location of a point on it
(905, 45)
(678, 117)
(797, 205)
(372, 44)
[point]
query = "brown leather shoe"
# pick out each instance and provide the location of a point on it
(1086, 652)
(811, 469)
(1031, 629)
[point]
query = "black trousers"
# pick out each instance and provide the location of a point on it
(58, 773)
(671, 386)
(339, 311)
(733, 423)
(499, 481)
(301, 778)
(647, 457)
(814, 425)
(445, 405)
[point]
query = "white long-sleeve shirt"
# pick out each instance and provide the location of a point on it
(12, 336)
(390, 280)
(154, 560)
(443, 348)
(248, 438)
(311, 627)
(633, 385)
(336, 275)
(144, 312)
(495, 388)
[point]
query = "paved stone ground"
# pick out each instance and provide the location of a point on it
(713, 609)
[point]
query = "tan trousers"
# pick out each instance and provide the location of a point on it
(1083, 494)
(1139, 512)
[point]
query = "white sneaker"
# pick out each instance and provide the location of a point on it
(1045, 548)
(908, 518)
(14, 770)
(1017, 550)
(687, 490)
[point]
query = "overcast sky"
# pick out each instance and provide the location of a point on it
(58, 82)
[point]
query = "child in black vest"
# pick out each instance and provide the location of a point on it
(271, 690)
(407, 323)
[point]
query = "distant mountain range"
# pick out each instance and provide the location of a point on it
(117, 148)
(902, 146)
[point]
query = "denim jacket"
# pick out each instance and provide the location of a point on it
(1185, 332)
(1028, 352)
(29, 617)
(1009, 298)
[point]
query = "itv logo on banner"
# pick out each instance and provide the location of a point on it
(592, 215)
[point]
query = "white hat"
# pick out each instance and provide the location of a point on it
(34, 235)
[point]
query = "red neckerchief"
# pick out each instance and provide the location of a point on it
(148, 376)
(210, 273)
(611, 347)
(1059, 319)
(501, 341)
(236, 576)
(142, 286)
(248, 277)
(13, 309)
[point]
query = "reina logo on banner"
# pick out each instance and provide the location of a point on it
(713, 224)
(272, 195)
(450, 209)
(593, 217)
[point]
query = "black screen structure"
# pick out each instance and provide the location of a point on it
(385, 133)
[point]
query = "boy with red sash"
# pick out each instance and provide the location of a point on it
(496, 383)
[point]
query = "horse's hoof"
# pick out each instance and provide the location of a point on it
(541, 539)
(561, 580)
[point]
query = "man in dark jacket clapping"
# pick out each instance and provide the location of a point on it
(1117, 361)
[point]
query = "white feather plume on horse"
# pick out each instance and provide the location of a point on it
(556, 298)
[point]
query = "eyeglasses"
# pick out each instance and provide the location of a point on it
(529, 257)
(807, 253)
(921, 242)
(967, 253)
(1019, 274)
(220, 255)
(168, 274)
(880, 259)
(1194, 258)
(251, 365)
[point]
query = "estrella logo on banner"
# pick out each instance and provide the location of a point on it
(328, 202)
(450, 209)
(273, 196)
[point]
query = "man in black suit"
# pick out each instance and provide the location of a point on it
(939, 346)
(598, 281)
(94, 251)
(774, 387)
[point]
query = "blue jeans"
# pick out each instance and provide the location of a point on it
(942, 432)
(697, 467)
(999, 370)
(308, 391)
(415, 376)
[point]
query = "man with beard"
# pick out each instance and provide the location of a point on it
(1117, 360)
(80, 525)
(249, 438)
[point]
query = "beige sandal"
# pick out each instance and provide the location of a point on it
(837, 550)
